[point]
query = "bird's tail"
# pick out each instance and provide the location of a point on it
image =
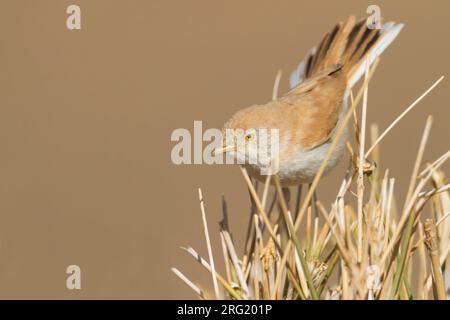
(349, 44)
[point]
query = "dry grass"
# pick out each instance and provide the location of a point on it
(358, 247)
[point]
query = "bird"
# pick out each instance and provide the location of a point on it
(306, 117)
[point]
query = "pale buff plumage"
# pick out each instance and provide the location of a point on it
(308, 114)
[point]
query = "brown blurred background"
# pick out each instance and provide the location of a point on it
(86, 118)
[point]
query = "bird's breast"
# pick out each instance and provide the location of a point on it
(300, 166)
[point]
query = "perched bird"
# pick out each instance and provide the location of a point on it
(306, 116)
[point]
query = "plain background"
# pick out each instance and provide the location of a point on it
(86, 118)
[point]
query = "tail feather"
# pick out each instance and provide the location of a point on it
(349, 44)
(380, 41)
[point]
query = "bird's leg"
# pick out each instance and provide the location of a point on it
(251, 234)
(269, 212)
(314, 204)
(281, 223)
(297, 201)
(286, 196)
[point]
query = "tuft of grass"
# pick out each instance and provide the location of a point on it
(360, 246)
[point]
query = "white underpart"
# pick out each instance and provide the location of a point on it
(305, 165)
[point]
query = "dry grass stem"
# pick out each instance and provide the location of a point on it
(356, 247)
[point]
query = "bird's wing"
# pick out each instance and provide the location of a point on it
(315, 105)
(311, 82)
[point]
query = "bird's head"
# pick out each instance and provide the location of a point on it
(249, 138)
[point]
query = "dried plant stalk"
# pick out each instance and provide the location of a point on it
(357, 247)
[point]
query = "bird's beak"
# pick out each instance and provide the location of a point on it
(225, 149)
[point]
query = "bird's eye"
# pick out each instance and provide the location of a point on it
(249, 137)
